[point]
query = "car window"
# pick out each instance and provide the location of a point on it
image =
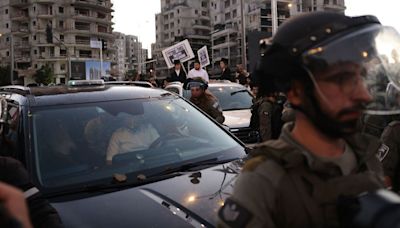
(80, 143)
(173, 89)
(232, 97)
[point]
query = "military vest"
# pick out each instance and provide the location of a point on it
(306, 196)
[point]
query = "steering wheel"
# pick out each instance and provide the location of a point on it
(163, 139)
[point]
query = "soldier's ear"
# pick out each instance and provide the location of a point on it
(296, 95)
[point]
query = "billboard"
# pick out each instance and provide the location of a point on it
(93, 69)
(89, 70)
(180, 51)
(78, 71)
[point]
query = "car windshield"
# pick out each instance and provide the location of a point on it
(76, 144)
(232, 97)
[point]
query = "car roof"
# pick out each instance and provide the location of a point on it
(56, 95)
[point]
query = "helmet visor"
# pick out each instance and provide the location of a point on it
(371, 56)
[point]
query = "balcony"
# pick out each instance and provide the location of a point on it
(44, 14)
(225, 45)
(224, 32)
(19, 3)
(46, 1)
(105, 6)
(202, 27)
(20, 16)
(20, 30)
(22, 45)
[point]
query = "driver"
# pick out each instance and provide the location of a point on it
(131, 137)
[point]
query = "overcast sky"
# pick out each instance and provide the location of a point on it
(136, 17)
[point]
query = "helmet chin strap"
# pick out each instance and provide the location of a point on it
(320, 119)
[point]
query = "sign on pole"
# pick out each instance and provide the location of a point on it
(204, 59)
(95, 44)
(180, 51)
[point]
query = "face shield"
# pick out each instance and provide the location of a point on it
(367, 56)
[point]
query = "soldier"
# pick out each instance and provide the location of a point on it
(205, 100)
(296, 181)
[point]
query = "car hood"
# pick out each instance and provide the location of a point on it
(192, 199)
(237, 118)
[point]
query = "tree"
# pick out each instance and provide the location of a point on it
(44, 75)
(130, 75)
(5, 76)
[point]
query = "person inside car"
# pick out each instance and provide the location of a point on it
(131, 137)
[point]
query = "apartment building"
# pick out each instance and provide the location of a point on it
(180, 20)
(74, 24)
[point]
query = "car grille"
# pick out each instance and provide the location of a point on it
(246, 135)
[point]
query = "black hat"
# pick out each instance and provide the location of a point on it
(224, 60)
(177, 61)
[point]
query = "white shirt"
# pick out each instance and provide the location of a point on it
(177, 72)
(193, 73)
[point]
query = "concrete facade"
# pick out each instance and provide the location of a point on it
(74, 23)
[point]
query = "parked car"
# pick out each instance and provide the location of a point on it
(177, 175)
(235, 101)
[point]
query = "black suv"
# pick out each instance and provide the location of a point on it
(120, 156)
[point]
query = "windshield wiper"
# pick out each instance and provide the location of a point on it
(239, 91)
(191, 166)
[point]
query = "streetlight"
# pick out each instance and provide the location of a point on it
(290, 5)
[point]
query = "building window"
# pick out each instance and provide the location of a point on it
(35, 52)
(228, 16)
(8, 53)
(34, 37)
(62, 67)
(204, 4)
(62, 37)
(6, 25)
(179, 21)
(234, 13)
(177, 11)
(215, 18)
(34, 23)
(6, 11)
(334, 2)
(7, 39)
(196, 12)
(34, 9)
(227, 3)
(61, 24)
(61, 9)
(179, 31)
(233, 2)
(326, 2)
(36, 66)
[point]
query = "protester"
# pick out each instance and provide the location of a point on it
(198, 72)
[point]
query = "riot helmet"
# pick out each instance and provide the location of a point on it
(327, 46)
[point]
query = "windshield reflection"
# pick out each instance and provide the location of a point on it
(82, 143)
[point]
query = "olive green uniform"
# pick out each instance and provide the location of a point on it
(211, 107)
(389, 153)
(265, 115)
(284, 185)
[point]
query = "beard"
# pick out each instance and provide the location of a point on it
(337, 126)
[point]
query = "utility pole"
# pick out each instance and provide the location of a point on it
(274, 9)
(12, 59)
(244, 58)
